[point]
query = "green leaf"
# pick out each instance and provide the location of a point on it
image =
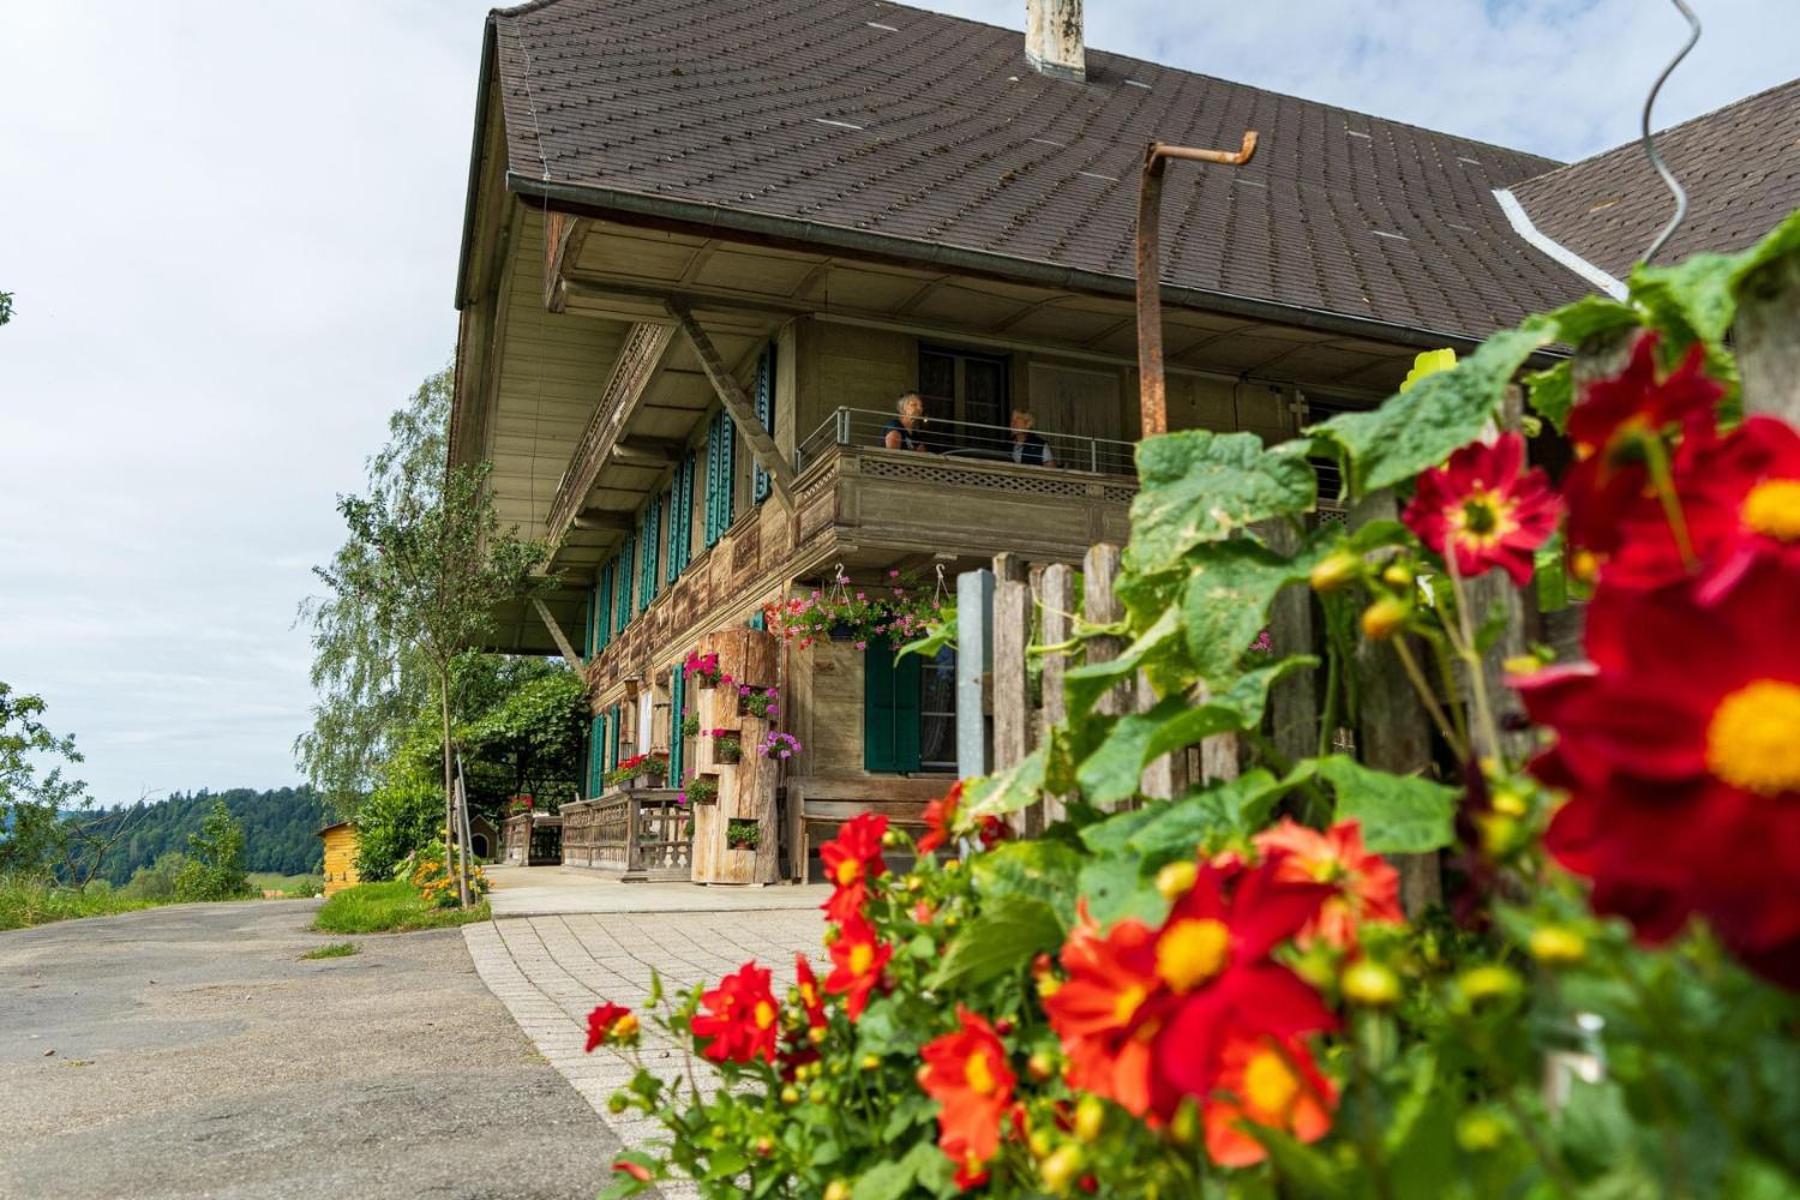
(893, 1179)
(939, 634)
(1698, 296)
(1019, 786)
(1111, 772)
(1231, 808)
(1003, 938)
(1552, 393)
(1399, 814)
(1084, 685)
(1115, 889)
(1038, 868)
(1306, 1172)
(1575, 323)
(1199, 486)
(621, 1185)
(1227, 597)
(1446, 411)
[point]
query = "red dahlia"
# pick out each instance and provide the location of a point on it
(1109, 1011)
(966, 1072)
(1618, 425)
(858, 959)
(807, 984)
(1366, 887)
(852, 860)
(741, 1017)
(1485, 509)
(610, 1022)
(1679, 746)
(939, 815)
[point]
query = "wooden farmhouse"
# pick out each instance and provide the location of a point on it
(709, 246)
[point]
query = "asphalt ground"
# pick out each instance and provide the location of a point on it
(188, 1051)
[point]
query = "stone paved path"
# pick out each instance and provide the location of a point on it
(550, 972)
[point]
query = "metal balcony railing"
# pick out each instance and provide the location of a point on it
(969, 442)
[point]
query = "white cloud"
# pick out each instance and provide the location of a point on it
(233, 229)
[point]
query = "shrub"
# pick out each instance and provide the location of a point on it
(214, 869)
(156, 882)
(392, 907)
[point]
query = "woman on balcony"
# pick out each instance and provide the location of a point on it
(1028, 448)
(907, 430)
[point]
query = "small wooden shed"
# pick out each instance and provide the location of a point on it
(341, 844)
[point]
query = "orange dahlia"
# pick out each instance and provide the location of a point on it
(939, 814)
(1109, 1010)
(1367, 888)
(966, 1072)
(1269, 1082)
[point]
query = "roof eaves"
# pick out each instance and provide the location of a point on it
(489, 56)
(590, 199)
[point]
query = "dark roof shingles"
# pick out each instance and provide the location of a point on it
(721, 102)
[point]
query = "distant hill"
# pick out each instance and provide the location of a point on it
(278, 829)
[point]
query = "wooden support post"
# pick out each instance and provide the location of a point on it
(738, 403)
(563, 645)
(1059, 626)
(1768, 339)
(1394, 735)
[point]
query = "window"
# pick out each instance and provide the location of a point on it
(959, 386)
(760, 482)
(649, 529)
(597, 743)
(909, 711)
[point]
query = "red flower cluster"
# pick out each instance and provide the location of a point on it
(741, 1017)
(1482, 509)
(1150, 1017)
(1678, 742)
(852, 860)
(967, 1074)
(940, 817)
(1368, 888)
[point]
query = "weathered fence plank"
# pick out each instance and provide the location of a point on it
(1059, 626)
(1768, 339)
(1012, 680)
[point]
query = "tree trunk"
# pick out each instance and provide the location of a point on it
(462, 890)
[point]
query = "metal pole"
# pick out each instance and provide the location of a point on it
(974, 658)
(1153, 402)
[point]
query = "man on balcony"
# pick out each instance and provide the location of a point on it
(907, 430)
(1028, 448)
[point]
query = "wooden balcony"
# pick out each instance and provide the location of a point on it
(637, 834)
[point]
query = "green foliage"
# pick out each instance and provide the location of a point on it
(215, 866)
(156, 882)
(6, 307)
(29, 898)
(280, 828)
(36, 833)
(392, 907)
(1199, 486)
(332, 950)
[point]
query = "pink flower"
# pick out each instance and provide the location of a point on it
(862, 645)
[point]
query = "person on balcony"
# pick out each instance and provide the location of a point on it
(1028, 448)
(906, 431)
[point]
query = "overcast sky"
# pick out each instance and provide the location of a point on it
(232, 230)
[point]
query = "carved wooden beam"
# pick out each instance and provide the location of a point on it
(563, 236)
(639, 358)
(557, 635)
(603, 521)
(737, 402)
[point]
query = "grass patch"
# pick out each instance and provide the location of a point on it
(31, 900)
(332, 950)
(292, 887)
(389, 908)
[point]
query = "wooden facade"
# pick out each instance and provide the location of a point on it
(340, 856)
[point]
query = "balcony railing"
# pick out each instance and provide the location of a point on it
(969, 442)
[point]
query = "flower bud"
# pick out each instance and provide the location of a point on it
(1004, 1026)
(1041, 1143)
(1040, 1066)
(1584, 566)
(1334, 571)
(1557, 945)
(837, 1189)
(891, 838)
(1508, 803)
(617, 1103)
(1177, 879)
(871, 1062)
(1048, 986)
(1370, 984)
(765, 1146)
(1060, 1168)
(1382, 619)
(816, 1035)
(790, 1094)
(1184, 1128)
(1090, 1118)
(818, 1093)
(1397, 575)
(1478, 1132)
(1522, 664)
(1491, 982)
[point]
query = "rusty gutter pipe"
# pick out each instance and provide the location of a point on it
(1153, 399)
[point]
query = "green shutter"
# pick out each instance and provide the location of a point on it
(596, 770)
(677, 737)
(622, 604)
(890, 710)
(672, 518)
(603, 608)
(765, 412)
(648, 526)
(728, 475)
(682, 529)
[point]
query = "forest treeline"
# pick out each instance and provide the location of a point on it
(279, 829)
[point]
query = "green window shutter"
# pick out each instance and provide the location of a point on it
(681, 549)
(622, 603)
(603, 608)
(677, 738)
(728, 474)
(890, 710)
(672, 518)
(758, 621)
(765, 412)
(648, 527)
(596, 769)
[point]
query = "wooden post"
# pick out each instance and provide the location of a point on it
(1394, 735)
(1768, 339)
(1100, 570)
(1059, 613)
(1294, 701)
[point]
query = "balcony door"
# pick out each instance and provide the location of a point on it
(958, 385)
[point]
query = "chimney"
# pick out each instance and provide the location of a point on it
(1053, 41)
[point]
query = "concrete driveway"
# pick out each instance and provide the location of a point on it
(188, 1052)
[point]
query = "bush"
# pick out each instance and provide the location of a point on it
(402, 815)
(215, 866)
(33, 899)
(393, 907)
(156, 882)
(435, 875)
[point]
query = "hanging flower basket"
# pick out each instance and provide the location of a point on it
(728, 747)
(690, 727)
(778, 745)
(705, 668)
(897, 609)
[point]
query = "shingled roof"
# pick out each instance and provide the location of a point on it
(854, 123)
(1740, 165)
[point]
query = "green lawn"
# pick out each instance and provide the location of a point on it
(27, 900)
(388, 908)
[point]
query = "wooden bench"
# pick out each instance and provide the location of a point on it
(819, 805)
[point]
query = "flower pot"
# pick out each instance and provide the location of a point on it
(728, 752)
(842, 632)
